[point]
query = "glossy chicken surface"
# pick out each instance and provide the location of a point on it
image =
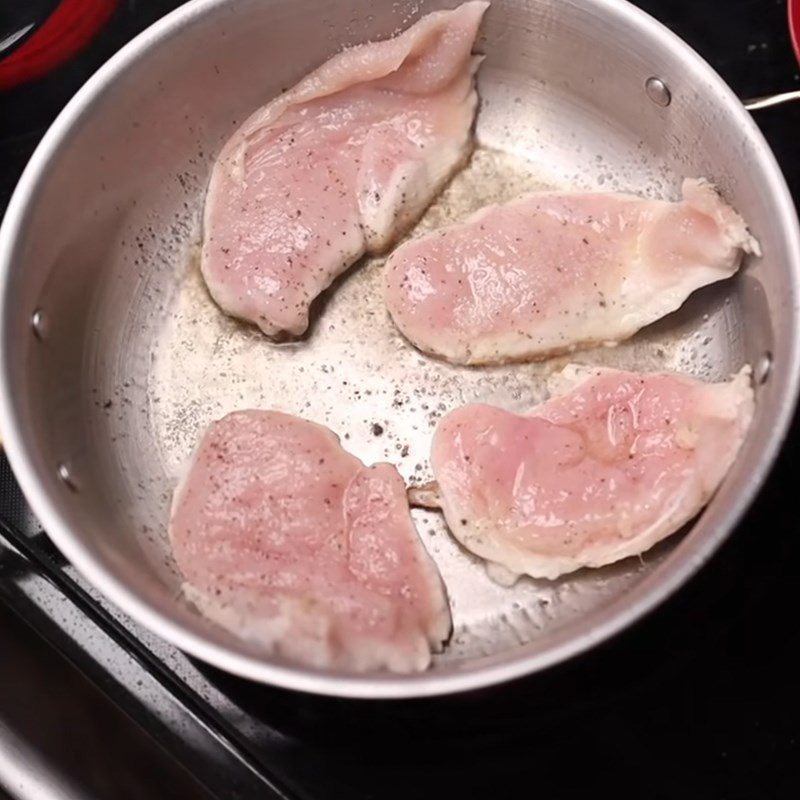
(550, 272)
(338, 166)
(611, 464)
(290, 542)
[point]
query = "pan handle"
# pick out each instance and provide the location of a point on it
(756, 103)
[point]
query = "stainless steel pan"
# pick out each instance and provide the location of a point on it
(114, 357)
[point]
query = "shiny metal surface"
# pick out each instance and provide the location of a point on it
(658, 91)
(101, 239)
(757, 103)
(27, 776)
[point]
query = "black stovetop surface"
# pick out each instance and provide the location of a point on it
(700, 700)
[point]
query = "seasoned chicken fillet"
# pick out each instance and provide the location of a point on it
(289, 541)
(550, 272)
(610, 465)
(338, 166)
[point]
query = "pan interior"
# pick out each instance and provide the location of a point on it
(138, 359)
(354, 371)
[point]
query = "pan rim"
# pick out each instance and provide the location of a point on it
(597, 626)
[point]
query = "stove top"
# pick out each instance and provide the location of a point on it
(700, 700)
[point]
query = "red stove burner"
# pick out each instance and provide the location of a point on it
(68, 29)
(794, 26)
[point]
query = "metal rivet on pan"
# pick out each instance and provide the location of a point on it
(65, 475)
(763, 368)
(658, 92)
(39, 324)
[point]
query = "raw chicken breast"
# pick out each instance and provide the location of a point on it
(550, 272)
(338, 166)
(291, 542)
(611, 464)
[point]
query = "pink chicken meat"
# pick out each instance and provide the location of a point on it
(338, 166)
(291, 542)
(610, 465)
(550, 272)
